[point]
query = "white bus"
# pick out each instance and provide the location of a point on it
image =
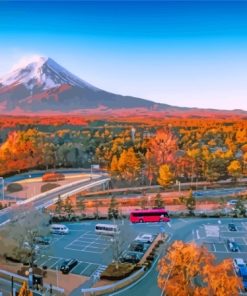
(107, 229)
(59, 229)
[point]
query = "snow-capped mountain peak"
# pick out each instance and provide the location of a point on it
(41, 73)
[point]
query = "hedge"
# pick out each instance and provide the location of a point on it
(112, 273)
(14, 187)
(49, 186)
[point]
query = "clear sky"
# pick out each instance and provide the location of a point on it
(180, 53)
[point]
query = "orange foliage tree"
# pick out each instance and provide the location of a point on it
(188, 269)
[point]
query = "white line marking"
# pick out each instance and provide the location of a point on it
(85, 268)
(197, 234)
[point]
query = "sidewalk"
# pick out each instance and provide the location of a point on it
(68, 282)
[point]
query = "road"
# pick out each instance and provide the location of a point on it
(181, 229)
(49, 198)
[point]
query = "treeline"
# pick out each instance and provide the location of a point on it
(141, 153)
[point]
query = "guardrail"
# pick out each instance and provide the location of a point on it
(18, 279)
(57, 189)
(105, 290)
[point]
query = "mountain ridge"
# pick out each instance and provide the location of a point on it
(41, 85)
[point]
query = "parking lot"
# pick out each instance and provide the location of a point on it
(216, 238)
(93, 251)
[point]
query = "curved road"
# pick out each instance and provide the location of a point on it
(181, 229)
(48, 198)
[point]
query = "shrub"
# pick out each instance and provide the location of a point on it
(52, 177)
(147, 263)
(14, 187)
(123, 271)
(150, 257)
(48, 186)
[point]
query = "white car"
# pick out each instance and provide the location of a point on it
(145, 238)
(237, 263)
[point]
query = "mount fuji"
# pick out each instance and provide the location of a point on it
(43, 87)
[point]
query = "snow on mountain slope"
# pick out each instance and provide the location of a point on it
(40, 74)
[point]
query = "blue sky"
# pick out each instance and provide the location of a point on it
(180, 53)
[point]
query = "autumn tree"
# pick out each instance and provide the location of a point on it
(234, 169)
(190, 270)
(163, 146)
(150, 167)
(165, 175)
(129, 165)
(114, 166)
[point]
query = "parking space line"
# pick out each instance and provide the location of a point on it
(56, 263)
(213, 245)
(85, 268)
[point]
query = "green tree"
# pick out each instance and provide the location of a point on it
(190, 203)
(68, 207)
(143, 202)
(158, 201)
(113, 209)
(59, 206)
(81, 203)
(240, 209)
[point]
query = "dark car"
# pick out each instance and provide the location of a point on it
(68, 265)
(232, 245)
(232, 227)
(131, 257)
(42, 240)
(138, 246)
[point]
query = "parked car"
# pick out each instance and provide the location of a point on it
(138, 246)
(232, 245)
(42, 240)
(238, 263)
(232, 202)
(232, 227)
(146, 238)
(243, 274)
(131, 257)
(68, 265)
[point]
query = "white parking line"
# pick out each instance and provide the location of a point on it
(55, 264)
(197, 234)
(85, 268)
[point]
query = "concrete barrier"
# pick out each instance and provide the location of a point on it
(105, 290)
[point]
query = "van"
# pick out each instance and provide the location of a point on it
(59, 229)
(107, 229)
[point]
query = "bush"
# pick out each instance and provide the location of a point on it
(147, 263)
(123, 271)
(150, 257)
(14, 187)
(52, 177)
(48, 186)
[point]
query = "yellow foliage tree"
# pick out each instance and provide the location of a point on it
(234, 169)
(114, 165)
(165, 175)
(128, 164)
(185, 263)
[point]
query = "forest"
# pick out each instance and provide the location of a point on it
(133, 150)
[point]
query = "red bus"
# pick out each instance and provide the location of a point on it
(152, 215)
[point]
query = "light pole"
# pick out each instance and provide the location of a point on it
(2, 186)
